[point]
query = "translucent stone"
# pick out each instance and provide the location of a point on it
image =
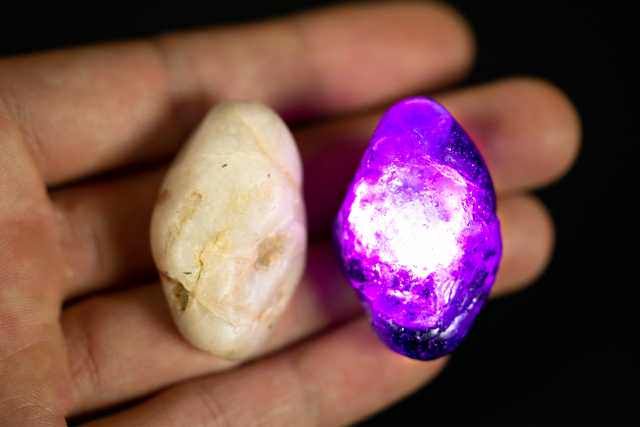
(417, 232)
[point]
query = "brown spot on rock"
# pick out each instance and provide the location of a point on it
(269, 250)
(180, 293)
(182, 296)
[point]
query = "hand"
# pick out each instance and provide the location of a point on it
(79, 329)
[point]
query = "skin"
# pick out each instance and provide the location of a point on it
(67, 230)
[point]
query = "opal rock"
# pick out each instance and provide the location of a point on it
(417, 232)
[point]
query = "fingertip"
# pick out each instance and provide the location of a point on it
(450, 30)
(526, 128)
(560, 143)
(450, 38)
(462, 39)
(528, 238)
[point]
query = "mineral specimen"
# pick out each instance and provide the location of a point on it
(417, 233)
(228, 231)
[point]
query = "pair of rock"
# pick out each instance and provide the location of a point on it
(417, 232)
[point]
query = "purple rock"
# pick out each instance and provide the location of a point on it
(417, 233)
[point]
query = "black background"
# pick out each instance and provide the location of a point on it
(562, 351)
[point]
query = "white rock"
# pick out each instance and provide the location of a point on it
(228, 231)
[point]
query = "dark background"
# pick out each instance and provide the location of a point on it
(562, 351)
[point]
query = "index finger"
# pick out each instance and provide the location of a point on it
(86, 110)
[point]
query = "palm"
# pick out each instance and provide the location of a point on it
(71, 115)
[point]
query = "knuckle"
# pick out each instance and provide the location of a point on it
(554, 103)
(529, 240)
(554, 121)
(542, 245)
(82, 242)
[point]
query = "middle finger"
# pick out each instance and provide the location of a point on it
(526, 130)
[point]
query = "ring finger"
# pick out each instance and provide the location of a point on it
(110, 363)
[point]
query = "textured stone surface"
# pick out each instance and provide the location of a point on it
(228, 231)
(417, 232)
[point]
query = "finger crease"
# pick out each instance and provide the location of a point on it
(183, 108)
(96, 249)
(21, 118)
(83, 363)
(214, 411)
(311, 68)
(305, 394)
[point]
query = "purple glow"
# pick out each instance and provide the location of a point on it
(417, 232)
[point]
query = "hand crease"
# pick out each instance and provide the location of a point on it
(20, 118)
(88, 365)
(214, 410)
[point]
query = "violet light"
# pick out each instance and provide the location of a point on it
(417, 232)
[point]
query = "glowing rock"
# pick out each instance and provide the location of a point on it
(417, 233)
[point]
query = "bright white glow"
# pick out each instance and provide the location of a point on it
(405, 296)
(418, 231)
